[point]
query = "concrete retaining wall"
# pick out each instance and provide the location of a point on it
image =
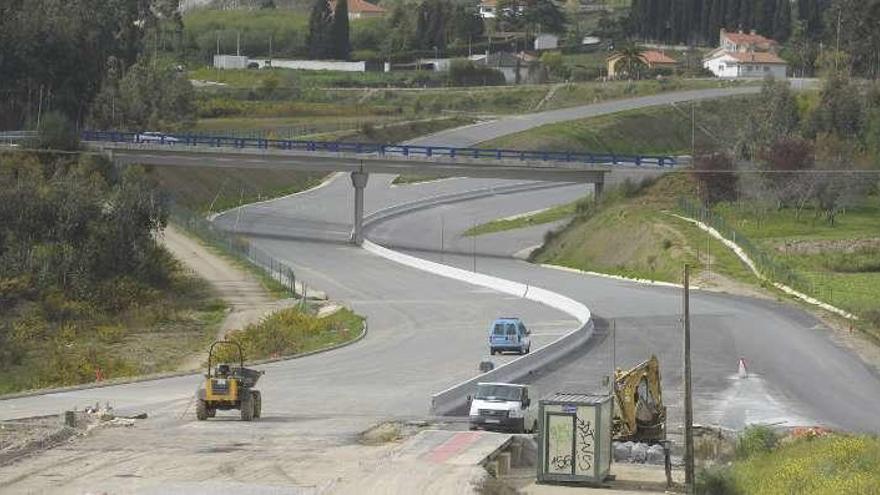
(455, 397)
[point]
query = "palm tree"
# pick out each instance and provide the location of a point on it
(631, 60)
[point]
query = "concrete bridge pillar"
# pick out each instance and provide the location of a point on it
(359, 181)
(598, 188)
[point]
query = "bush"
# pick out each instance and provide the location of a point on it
(756, 440)
(466, 73)
(56, 132)
(584, 74)
(715, 481)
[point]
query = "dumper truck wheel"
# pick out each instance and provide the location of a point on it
(247, 407)
(201, 410)
(258, 403)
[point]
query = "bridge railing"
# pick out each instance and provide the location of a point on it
(400, 150)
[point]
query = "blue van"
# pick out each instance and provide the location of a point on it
(509, 334)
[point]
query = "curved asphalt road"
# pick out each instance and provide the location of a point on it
(427, 332)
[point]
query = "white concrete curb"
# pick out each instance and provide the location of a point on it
(643, 281)
(537, 294)
(741, 254)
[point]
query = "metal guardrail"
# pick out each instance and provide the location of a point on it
(767, 264)
(236, 246)
(376, 149)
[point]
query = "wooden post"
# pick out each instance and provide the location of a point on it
(688, 404)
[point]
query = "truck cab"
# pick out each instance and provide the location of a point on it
(503, 407)
(509, 334)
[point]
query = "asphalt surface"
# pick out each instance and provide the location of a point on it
(428, 333)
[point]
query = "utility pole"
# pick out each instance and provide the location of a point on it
(474, 246)
(443, 238)
(693, 130)
(238, 43)
(613, 356)
(688, 404)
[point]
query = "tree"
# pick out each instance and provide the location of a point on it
(543, 16)
(466, 22)
(714, 173)
(631, 61)
(151, 95)
(431, 21)
(841, 109)
(339, 31)
(53, 54)
(319, 40)
(784, 163)
(773, 117)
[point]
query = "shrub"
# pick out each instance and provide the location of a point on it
(715, 481)
(466, 73)
(756, 440)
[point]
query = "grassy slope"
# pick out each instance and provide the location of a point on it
(656, 130)
(205, 189)
(632, 236)
(153, 337)
(847, 279)
(295, 331)
(548, 215)
(831, 465)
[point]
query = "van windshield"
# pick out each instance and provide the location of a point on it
(499, 392)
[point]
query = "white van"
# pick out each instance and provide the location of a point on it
(503, 407)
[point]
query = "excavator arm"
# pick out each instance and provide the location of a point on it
(639, 413)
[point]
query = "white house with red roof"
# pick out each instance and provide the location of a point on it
(745, 55)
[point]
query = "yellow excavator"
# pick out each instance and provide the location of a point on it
(639, 413)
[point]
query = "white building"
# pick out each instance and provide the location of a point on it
(745, 55)
(746, 65)
(546, 42)
(230, 62)
(487, 9)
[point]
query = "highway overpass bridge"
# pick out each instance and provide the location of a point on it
(362, 159)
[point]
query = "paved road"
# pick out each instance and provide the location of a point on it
(427, 333)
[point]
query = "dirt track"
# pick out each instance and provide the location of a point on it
(248, 301)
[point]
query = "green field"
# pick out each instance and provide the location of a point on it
(656, 130)
(840, 263)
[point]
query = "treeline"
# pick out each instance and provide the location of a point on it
(58, 56)
(409, 29)
(805, 26)
(820, 151)
(77, 249)
(699, 21)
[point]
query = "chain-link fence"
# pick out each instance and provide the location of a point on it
(236, 246)
(766, 264)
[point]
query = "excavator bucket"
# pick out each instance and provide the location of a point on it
(639, 413)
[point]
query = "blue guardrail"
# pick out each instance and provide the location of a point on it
(379, 149)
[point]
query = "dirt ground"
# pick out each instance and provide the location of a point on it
(247, 299)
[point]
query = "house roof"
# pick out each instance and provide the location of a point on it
(488, 3)
(756, 58)
(752, 38)
(654, 57)
(361, 7)
(651, 57)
